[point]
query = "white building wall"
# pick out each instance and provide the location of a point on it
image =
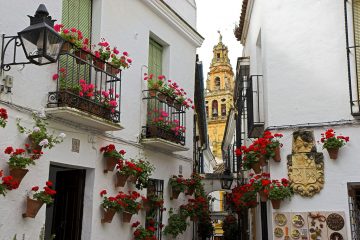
(305, 77)
(126, 24)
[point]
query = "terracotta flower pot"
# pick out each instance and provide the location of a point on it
(82, 55)
(120, 180)
(262, 161)
(18, 173)
(162, 97)
(112, 70)
(32, 207)
(100, 65)
(66, 47)
(276, 204)
(34, 145)
(256, 167)
(177, 105)
(110, 163)
(263, 196)
(133, 179)
(333, 152)
(170, 101)
(277, 157)
(174, 194)
(152, 92)
(108, 215)
(126, 217)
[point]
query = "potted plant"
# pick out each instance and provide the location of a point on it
(39, 136)
(250, 157)
(333, 143)
(38, 198)
(278, 191)
(118, 63)
(260, 183)
(194, 183)
(3, 117)
(72, 36)
(178, 185)
(154, 85)
(129, 204)
(170, 89)
(242, 197)
(230, 227)
(273, 145)
(177, 224)
(145, 170)
(110, 206)
(125, 169)
(152, 202)
(196, 208)
(18, 163)
(142, 233)
(8, 183)
(111, 156)
(102, 54)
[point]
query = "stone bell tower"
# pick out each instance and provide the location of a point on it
(219, 95)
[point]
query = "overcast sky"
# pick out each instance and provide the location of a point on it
(214, 15)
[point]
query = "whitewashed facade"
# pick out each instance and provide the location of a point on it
(127, 24)
(300, 49)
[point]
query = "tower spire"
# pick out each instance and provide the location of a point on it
(220, 36)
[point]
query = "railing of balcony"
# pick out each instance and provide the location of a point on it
(165, 118)
(87, 84)
(254, 107)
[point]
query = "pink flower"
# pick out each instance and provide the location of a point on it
(65, 31)
(116, 51)
(129, 60)
(58, 27)
(55, 76)
(125, 54)
(73, 29)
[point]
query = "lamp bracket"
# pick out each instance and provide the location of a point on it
(14, 42)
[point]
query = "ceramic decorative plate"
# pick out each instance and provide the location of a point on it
(335, 222)
(280, 219)
(295, 234)
(336, 236)
(278, 232)
(298, 221)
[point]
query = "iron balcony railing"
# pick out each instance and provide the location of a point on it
(87, 84)
(165, 118)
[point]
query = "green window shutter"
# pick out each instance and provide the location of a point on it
(77, 13)
(155, 58)
(356, 16)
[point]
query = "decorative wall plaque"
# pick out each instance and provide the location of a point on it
(305, 165)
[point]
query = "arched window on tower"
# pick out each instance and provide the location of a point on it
(223, 109)
(214, 108)
(217, 83)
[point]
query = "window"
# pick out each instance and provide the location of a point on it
(155, 187)
(77, 13)
(354, 208)
(215, 108)
(217, 56)
(223, 109)
(155, 58)
(217, 82)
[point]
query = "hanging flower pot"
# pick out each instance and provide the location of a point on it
(276, 204)
(133, 179)
(174, 194)
(82, 55)
(262, 160)
(277, 157)
(18, 173)
(152, 92)
(108, 215)
(126, 216)
(100, 65)
(177, 105)
(112, 70)
(34, 145)
(110, 163)
(333, 152)
(120, 180)
(66, 47)
(162, 96)
(263, 196)
(170, 101)
(32, 207)
(256, 167)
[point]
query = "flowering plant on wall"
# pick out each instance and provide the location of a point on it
(129, 202)
(7, 183)
(142, 233)
(121, 62)
(278, 191)
(17, 158)
(194, 184)
(242, 197)
(178, 184)
(39, 135)
(109, 202)
(45, 196)
(110, 151)
(3, 117)
(332, 143)
(153, 82)
(272, 145)
(153, 202)
(73, 36)
(260, 182)
(104, 50)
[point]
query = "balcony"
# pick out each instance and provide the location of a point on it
(165, 123)
(87, 92)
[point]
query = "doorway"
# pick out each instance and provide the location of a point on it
(64, 217)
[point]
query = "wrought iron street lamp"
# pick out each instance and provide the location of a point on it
(40, 42)
(226, 180)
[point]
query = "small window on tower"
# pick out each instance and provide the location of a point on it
(223, 109)
(218, 56)
(214, 108)
(217, 82)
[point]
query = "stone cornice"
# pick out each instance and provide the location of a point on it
(166, 12)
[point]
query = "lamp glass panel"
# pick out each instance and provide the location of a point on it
(53, 44)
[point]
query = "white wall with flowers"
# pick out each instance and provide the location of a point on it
(300, 49)
(126, 24)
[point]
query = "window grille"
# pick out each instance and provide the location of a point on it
(155, 187)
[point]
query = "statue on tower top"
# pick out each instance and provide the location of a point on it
(220, 36)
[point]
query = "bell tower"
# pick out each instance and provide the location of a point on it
(219, 95)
